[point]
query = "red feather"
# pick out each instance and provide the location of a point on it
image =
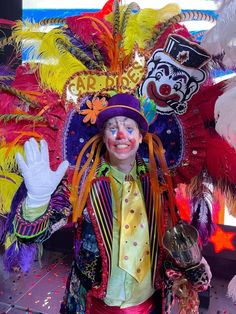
(220, 158)
(172, 29)
(107, 9)
(4, 23)
(205, 100)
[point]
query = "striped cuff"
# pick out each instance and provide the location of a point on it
(25, 229)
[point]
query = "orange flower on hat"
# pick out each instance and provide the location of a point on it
(94, 107)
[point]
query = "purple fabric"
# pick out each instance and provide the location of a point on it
(77, 246)
(76, 134)
(122, 105)
(60, 198)
(19, 256)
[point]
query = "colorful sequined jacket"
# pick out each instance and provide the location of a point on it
(93, 246)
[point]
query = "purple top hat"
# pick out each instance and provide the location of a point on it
(122, 105)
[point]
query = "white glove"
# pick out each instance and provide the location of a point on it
(39, 179)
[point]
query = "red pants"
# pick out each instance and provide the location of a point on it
(99, 307)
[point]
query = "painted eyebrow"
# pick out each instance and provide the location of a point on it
(180, 76)
(110, 123)
(165, 68)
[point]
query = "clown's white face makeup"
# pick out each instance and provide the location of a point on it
(122, 138)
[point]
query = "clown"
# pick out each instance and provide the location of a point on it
(93, 118)
(174, 75)
(127, 265)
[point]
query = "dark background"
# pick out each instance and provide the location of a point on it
(11, 10)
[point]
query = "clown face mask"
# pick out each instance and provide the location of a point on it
(174, 75)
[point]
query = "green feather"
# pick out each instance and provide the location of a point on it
(181, 17)
(78, 54)
(19, 94)
(125, 19)
(19, 117)
(116, 18)
(148, 108)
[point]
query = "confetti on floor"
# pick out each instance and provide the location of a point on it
(41, 290)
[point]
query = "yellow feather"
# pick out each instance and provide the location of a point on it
(26, 26)
(29, 36)
(141, 24)
(10, 179)
(55, 65)
(8, 163)
(10, 238)
(9, 183)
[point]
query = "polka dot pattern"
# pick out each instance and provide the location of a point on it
(134, 235)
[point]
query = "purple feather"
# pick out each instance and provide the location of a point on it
(2, 228)
(6, 71)
(19, 256)
(201, 219)
(10, 258)
(27, 255)
(76, 41)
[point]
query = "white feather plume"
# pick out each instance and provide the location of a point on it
(225, 114)
(221, 38)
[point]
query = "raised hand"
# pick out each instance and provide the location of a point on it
(39, 179)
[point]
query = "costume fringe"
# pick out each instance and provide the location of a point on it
(156, 153)
(80, 193)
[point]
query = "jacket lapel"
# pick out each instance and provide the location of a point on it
(101, 201)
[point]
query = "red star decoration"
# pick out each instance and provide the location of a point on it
(222, 240)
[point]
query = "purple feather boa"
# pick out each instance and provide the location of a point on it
(19, 256)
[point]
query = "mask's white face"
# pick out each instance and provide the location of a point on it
(122, 138)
